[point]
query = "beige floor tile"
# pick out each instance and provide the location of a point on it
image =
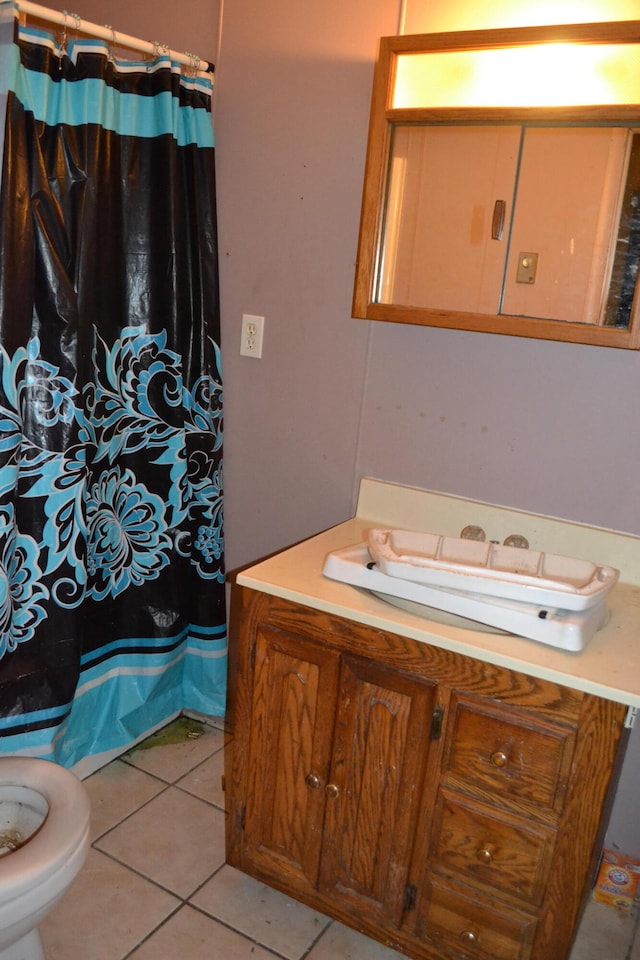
(107, 911)
(116, 791)
(340, 941)
(265, 915)
(206, 780)
(171, 761)
(189, 935)
(176, 840)
(604, 934)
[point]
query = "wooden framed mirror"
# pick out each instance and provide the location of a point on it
(510, 208)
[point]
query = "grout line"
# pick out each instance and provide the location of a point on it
(317, 939)
(210, 803)
(197, 890)
(241, 933)
(155, 930)
(185, 773)
(145, 803)
(143, 876)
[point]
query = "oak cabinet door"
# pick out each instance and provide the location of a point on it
(294, 693)
(381, 748)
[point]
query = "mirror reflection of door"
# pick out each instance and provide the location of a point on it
(569, 192)
(444, 182)
(562, 190)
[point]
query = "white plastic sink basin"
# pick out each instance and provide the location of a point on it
(556, 626)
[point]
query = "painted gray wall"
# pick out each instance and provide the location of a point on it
(546, 427)
(291, 115)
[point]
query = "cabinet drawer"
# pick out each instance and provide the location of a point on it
(506, 853)
(461, 926)
(507, 752)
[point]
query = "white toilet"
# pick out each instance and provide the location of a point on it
(44, 841)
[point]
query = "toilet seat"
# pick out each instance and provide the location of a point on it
(63, 834)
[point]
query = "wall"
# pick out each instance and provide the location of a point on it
(291, 115)
(541, 426)
(546, 427)
(151, 20)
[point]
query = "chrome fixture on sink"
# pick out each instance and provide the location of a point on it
(471, 532)
(516, 540)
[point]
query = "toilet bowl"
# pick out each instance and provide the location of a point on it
(44, 841)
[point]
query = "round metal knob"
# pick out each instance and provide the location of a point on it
(312, 780)
(517, 540)
(331, 790)
(499, 759)
(469, 937)
(484, 854)
(471, 532)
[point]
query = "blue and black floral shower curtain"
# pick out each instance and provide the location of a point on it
(112, 614)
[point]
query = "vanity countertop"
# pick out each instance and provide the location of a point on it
(609, 665)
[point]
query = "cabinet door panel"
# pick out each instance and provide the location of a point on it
(292, 718)
(380, 753)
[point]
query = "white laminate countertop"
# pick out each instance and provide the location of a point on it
(609, 666)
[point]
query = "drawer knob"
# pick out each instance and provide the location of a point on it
(331, 790)
(312, 780)
(499, 759)
(485, 854)
(470, 938)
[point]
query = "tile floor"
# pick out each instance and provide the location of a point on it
(156, 887)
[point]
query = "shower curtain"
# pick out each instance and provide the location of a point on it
(112, 614)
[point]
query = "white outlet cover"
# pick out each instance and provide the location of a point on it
(251, 336)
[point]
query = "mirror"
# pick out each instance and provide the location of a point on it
(503, 219)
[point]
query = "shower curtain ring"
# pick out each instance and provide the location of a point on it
(155, 53)
(110, 43)
(62, 43)
(194, 62)
(64, 36)
(77, 21)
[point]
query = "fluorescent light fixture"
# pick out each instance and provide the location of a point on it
(540, 74)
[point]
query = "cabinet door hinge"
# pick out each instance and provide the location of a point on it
(410, 894)
(436, 723)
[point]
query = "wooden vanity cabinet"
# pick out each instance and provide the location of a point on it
(440, 804)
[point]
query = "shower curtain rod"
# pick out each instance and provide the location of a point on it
(72, 21)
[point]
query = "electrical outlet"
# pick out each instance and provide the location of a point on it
(251, 336)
